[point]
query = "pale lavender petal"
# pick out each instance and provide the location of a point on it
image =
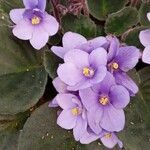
(65, 101)
(146, 55)
(77, 57)
(99, 75)
(113, 119)
(30, 4)
(119, 96)
(39, 38)
(69, 74)
(71, 40)
(127, 57)
(23, 30)
(105, 85)
(145, 37)
(98, 57)
(126, 81)
(111, 141)
(89, 98)
(42, 4)
(59, 51)
(50, 24)
(16, 15)
(80, 128)
(94, 118)
(66, 120)
(53, 103)
(59, 85)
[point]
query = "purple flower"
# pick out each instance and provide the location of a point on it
(73, 115)
(121, 59)
(144, 37)
(76, 41)
(33, 23)
(82, 70)
(104, 103)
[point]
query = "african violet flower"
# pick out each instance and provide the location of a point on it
(73, 40)
(105, 102)
(33, 23)
(121, 59)
(73, 115)
(144, 37)
(81, 70)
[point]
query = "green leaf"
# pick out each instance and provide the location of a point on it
(131, 37)
(51, 63)
(22, 74)
(101, 8)
(82, 25)
(9, 130)
(144, 9)
(119, 22)
(136, 135)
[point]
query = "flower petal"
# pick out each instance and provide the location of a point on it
(50, 24)
(30, 4)
(89, 98)
(65, 101)
(39, 38)
(42, 4)
(127, 82)
(98, 57)
(16, 15)
(146, 55)
(66, 120)
(94, 118)
(113, 119)
(69, 74)
(23, 30)
(80, 128)
(60, 86)
(71, 40)
(77, 57)
(127, 57)
(119, 96)
(144, 37)
(53, 103)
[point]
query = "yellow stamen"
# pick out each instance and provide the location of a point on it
(35, 20)
(104, 100)
(75, 111)
(108, 135)
(88, 72)
(115, 65)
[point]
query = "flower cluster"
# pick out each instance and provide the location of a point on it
(94, 87)
(144, 37)
(33, 23)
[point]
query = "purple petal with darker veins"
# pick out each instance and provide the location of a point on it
(127, 57)
(127, 82)
(39, 38)
(23, 30)
(30, 4)
(113, 119)
(80, 128)
(71, 40)
(50, 24)
(16, 15)
(145, 37)
(89, 98)
(66, 120)
(77, 57)
(146, 55)
(105, 85)
(119, 96)
(65, 101)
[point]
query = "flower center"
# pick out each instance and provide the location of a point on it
(35, 20)
(75, 111)
(88, 72)
(108, 135)
(104, 100)
(115, 65)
